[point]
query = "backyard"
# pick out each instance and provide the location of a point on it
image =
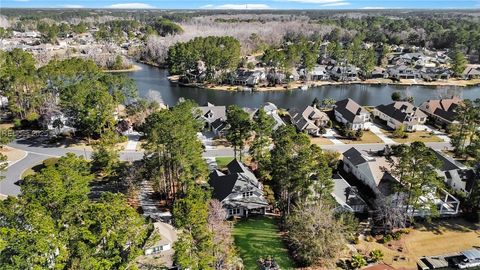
(426, 239)
(259, 237)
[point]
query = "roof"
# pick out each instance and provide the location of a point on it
(443, 108)
(354, 156)
(211, 113)
(307, 118)
(239, 179)
(343, 193)
(167, 233)
(448, 164)
(350, 110)
(472, 254)
(401, 111)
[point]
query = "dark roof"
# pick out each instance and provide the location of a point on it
(222, 185)
(400, 110)
(349, 109)
(354, 156)
(447, 164)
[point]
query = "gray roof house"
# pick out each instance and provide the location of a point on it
(471, 72)
(346, 196)
(401, 113)
(344, 73)
(349, 113)
(455, 174)
(309, 120)
(159, 246)
(443, 111)
(318, 73)
(238, 190)
(374, 172)
(272, 110)
(403, 72)
(215, 118)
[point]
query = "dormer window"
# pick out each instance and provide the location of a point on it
(247, 194)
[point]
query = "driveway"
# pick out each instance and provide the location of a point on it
(330, 134)
(436, 132)
(377, 131)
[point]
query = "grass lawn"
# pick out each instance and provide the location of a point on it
(368, 137)
(420, 136)
(222, 162)
(259, 237)
(320, 141)
(436, 238)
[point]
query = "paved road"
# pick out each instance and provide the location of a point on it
(36, 153)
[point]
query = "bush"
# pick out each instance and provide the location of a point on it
(50, 162)
(376, 255)
(369, 238)
(396, 235)
(387, 238)
(329, 124)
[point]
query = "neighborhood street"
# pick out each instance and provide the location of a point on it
(36, 153)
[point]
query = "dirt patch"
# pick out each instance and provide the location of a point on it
(12, 154)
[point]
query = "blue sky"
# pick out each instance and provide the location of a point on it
(247, 4)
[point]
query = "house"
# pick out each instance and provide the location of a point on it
(467, 259)
(442, 111)
(248, 78)
(403, 72)
(435, 73)
(379, 73)
(344, 73)
(374, 172)
(472, 72)
(310, 120)
(456, 175)
(349, 113)
(346, 196)
(238, 190)
(272, 111)
(401, 113)
(159, 245)
(318, 73)
(215, 118)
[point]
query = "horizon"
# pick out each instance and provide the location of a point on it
(247, 5)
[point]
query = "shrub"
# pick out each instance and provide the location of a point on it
(358, 261)
(387, 238)
(376, 255)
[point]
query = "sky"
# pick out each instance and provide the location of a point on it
(246, 4)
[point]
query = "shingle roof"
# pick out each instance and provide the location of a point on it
(401, 111)
(350, 110)
(354, 156)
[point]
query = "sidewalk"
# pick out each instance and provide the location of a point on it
(377, 131)
(330, 134)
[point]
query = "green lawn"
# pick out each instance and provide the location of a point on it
(259, 237)
(222, 162)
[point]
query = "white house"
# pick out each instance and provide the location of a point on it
(456, 175)
(159, 246)
(401, 113)
(374, 172)
(352, 115)
(238, 190)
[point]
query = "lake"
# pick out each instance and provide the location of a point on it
(153, 84)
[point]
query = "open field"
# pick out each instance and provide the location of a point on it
(259, 237)
(436, 238)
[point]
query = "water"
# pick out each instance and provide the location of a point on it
(152, 83)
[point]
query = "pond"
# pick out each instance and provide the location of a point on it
(152, 83)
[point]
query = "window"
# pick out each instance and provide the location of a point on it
(247, 194)
(234, 211)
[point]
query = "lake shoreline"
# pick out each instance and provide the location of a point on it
(298, 84)
(133, 68)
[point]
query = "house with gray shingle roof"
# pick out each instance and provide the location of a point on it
(374, 172)
(349, 113)
(214, 118)
(456, 175)
(443, 111)
(310, 120)
(238, 190)
(347, 196)
(401, 113)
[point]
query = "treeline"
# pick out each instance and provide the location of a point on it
(216, 54)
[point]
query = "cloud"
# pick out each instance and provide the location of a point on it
(237, 6)
(131, 6)
(336, 4)
(72, 6)
(373, 8)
